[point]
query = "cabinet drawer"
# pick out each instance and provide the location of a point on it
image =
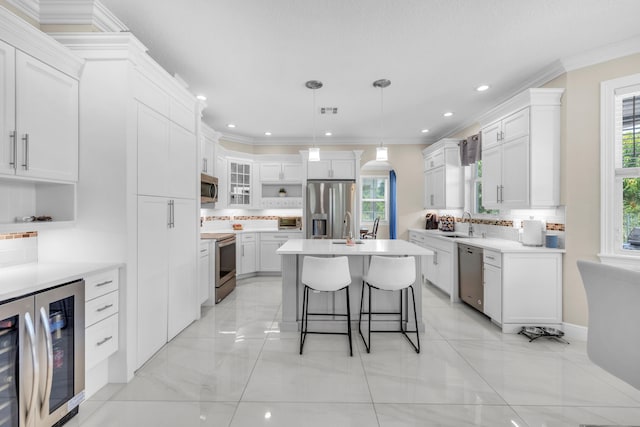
(417, 238)
(100, 284)
(492, 257)
(248, 237)
(100, 308)
(440, 244)
(204, 249)
(280, 237)
(101, 341)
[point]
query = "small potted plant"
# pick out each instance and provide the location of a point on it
(282, 192)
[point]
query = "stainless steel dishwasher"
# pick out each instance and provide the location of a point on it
(470, 281)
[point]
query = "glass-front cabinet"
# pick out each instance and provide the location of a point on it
(239, 184)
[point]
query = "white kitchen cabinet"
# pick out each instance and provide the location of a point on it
(208, 142)
(492, 281)
(269, 243)
(101, 317)
(204, 272)
(167, 286)
(418, 238)
(442, 269)
(246, 253)
(240, 183)
(443, 176)
(280, 172)
(332, 169)
(7, 109)
(166, 154)
(521, 151)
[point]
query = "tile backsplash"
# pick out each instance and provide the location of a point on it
(18, 248)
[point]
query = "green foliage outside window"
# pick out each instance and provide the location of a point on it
(374, 198)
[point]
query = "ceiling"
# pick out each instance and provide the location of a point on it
(251, 58)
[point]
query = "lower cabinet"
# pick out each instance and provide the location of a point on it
(205, 273)
(492, 281)
(269, 244)
(101, 323)
(167, 271)
(442, 269)
(246, 253)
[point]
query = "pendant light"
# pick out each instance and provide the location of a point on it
(381, 151)
(314, 152)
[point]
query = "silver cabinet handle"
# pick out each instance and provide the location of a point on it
(435, 257)
(28, 323)
(203, 251)
(104, 308)
(44, 397)
(168, 213)
(242, 250)
(501, 193)
(173, 224)
(104, 340)
(497, 136)
(106, 282)
(14, 147)
(489, 257)
(25, 138)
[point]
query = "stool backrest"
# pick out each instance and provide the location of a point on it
(392, 272)
(613, 339)
(326, 274)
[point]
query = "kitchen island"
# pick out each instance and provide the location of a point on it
(293, 253)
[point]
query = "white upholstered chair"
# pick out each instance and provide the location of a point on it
(613, 341)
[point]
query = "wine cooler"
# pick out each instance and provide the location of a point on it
(42, 357)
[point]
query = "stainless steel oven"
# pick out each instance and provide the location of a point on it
(225, 275)
(42, 357)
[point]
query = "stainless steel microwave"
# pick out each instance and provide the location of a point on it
(208, 189)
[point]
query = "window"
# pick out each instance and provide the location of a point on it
(620, 149)
(477, 191)
(375, 190)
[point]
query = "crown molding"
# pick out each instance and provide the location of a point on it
(30, 8)
(602, 54)
(20, 34)
(326, 141)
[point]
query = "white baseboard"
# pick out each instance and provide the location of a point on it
(574, 332)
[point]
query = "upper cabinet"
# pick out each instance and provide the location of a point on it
(240, 185)
(208, 140)
(281, 172)
(39, 119)
(443, 176)
(332, 169)
(521, 151)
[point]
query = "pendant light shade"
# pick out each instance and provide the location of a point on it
(314, 152)
(382, 154)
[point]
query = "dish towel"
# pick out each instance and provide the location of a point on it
(471, 149)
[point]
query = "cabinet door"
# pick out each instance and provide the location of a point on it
(445, 271)
(515, 126)
(491, 136)
(248, 257)
(515, 173)
(292, 172)
(270, 172)
(183, 284)
(343, 169)
(153, 280)
(204, 273)
(153, 152)
(319, 169)
(182, 163)
(269, 260)
(438, 188)
(239, 184)
(46, 121)
(207, 163)
(493, 292)
(491, 177)
(426, 203)
(8, 144)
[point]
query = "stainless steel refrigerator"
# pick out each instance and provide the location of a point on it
(330, 209)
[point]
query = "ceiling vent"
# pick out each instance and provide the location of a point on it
(329, 110)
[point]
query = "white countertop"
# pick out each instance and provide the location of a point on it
(368, 247)
(500, 245)
(249, 230)
(25, 279)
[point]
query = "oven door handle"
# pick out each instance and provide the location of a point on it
(44, 320)
(223, 243)
(28, 323)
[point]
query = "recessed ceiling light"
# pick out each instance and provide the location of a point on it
(448, 114)
(424, 130)
(328, 134)
(231, 125)
(482, 88)
(267, 133)
(201, 97)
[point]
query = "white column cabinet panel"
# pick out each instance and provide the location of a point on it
(7, 109)
(153, 152)
(153, 281)
(183, 285)
(46, 121)
(182, 156)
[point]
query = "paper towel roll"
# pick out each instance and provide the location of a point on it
(531, 232)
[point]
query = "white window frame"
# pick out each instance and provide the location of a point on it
(611, 251)
(386, 198)
(472, 202)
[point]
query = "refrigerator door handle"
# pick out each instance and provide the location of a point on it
(44, 320)
(28, 323)
(331, 213)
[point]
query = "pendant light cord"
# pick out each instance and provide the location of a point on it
(313, 115)
(381, 114)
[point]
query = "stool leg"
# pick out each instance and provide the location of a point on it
(360, 318)
(303, 334)
(415, 318)
(346, 289)
(369, 332)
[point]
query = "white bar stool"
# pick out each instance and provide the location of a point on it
(390, 274)
(324, 275)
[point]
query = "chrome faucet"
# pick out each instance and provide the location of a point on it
(470, 234)
(346, 226)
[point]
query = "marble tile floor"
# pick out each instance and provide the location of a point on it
(235, 368)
